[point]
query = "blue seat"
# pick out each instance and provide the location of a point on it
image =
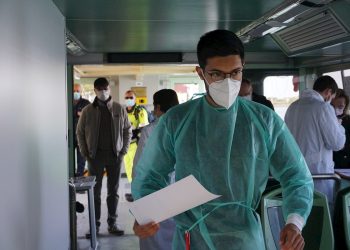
(317, 233)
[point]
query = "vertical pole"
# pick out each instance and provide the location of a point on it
(92, 219)
(302, 80)
(71, 153)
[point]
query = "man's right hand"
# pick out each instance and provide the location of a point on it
(291, 238)
(147, 230)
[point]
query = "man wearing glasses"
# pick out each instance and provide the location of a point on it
(230, 145)
(248, 93)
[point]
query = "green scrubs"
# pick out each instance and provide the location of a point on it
(230, 152)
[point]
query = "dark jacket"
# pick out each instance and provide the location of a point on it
(78, 107)
(262, 100)
(89, 125)
(341, 158)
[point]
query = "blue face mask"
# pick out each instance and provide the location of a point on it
(76, 96)
(129, 102)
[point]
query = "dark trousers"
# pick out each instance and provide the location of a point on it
(96, 167)
(80, 163)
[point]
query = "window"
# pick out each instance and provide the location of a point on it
(346, 72)
(185, 91)
(336, 76)
(281, 91)
(346, 81)
(186, 87)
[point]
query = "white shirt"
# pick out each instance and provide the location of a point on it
(317, 131)
(145, 133)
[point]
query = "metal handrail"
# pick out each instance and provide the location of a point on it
(334, 176)
(346, 177)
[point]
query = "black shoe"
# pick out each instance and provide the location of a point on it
(79, 207)
(115, 229)
(88, 234)
(129, 197)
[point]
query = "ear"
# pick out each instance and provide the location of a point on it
(157, 107)
(157, 111)
(200, 72)
(329, 93)
(250, 89)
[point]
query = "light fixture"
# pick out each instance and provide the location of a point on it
(73, 45)
(281, 17)
(272, 30)
(275, 23)
(245, 38)
(283, 11)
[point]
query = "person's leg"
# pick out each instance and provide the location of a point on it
(113, 176)
(129, 162)
(129, 159)
(96, 169)
(80, 163)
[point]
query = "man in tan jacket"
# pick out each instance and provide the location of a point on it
(104, 134)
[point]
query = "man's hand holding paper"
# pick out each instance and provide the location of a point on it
(170, 201)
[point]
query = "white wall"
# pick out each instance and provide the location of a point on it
(33, 146)
(149, 81)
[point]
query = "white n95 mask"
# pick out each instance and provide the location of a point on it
(224, 93)
(103, 95)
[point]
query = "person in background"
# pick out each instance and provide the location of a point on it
(296, 83)
(163, 100)
(104, 134)
(138, 118)
(340, 103)
(313, 123)
(229, 145)
(78, 104)
(246, 92)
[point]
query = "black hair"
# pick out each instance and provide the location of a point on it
(246, 81)
(165, 98)
(218, 43)
(325, 82)
(101, 82)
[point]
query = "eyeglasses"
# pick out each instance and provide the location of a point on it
(217, 75)
(129, 97)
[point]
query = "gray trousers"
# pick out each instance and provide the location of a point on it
(96, 167)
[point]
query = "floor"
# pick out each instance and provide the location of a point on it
(107, 241)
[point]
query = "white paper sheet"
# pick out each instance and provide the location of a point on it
(170, 201)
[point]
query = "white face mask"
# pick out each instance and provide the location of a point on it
(103, 95)
(224, 93)
(330, 99)
(338, 111)
(76, 96)
(130, 102)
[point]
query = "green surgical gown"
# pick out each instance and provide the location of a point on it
(230, 152)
